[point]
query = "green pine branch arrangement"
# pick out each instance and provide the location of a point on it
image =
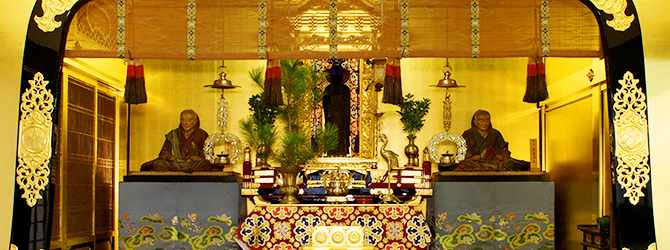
(300, 93)
(412, 113)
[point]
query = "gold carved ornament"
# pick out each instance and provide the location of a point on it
(632, 143)
(617, 8)
(52, 8)
(34, 152)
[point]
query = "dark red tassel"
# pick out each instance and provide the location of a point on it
(135, 90)
(536, 82)
(392, 83)
(272, 95)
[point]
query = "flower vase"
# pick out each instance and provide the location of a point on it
(412, 152)
(261, 156)
(288, 184)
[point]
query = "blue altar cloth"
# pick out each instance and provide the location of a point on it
(493, 215)
(178, 215)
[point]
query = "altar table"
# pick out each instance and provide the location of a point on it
(287, 227)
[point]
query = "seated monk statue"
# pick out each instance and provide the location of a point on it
(487, 150)
(182, 149)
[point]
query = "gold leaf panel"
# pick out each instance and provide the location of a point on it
(34, 152)
(632, 144)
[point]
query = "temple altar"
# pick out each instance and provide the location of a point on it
(397, 226)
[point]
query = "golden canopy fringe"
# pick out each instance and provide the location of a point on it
(536, 83)
(392, 83)
(272, 95)
(135, 90)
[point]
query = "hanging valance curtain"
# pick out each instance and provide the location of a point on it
(164, 29)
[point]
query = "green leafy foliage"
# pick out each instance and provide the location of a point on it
(259, 129)
(257, 77)
(296, 149)
(299, 83)
(412, 113)
(261, 114)
(327, 137)
(300, 93)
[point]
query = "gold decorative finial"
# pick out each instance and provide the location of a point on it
(617, 8)
(52, 8)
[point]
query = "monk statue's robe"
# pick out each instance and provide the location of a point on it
(494, 152)
(181, 153)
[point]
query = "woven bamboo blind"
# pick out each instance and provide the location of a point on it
(157, 29)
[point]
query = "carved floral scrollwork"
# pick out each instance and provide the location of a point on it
(51, 9)
(447, 136)
(617, 8)
(216, 138)
(35, 127)
(632, 143)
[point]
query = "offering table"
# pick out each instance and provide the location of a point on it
(393, 226)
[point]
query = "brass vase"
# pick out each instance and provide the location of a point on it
(412, 152)
(288, 182)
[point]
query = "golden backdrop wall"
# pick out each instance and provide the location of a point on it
(497, 85)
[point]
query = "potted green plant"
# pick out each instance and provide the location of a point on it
(411, 115)
(259, 130)
(300, 94)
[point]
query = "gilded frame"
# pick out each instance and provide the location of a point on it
(367, 126)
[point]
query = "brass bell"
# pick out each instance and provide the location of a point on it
(447, 82)
(222, 82)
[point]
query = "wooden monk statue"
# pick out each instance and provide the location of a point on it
(182, 149)
(487, 150)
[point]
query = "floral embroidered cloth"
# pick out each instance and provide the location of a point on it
(493, 215)
(183, 215)
(386, 227)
